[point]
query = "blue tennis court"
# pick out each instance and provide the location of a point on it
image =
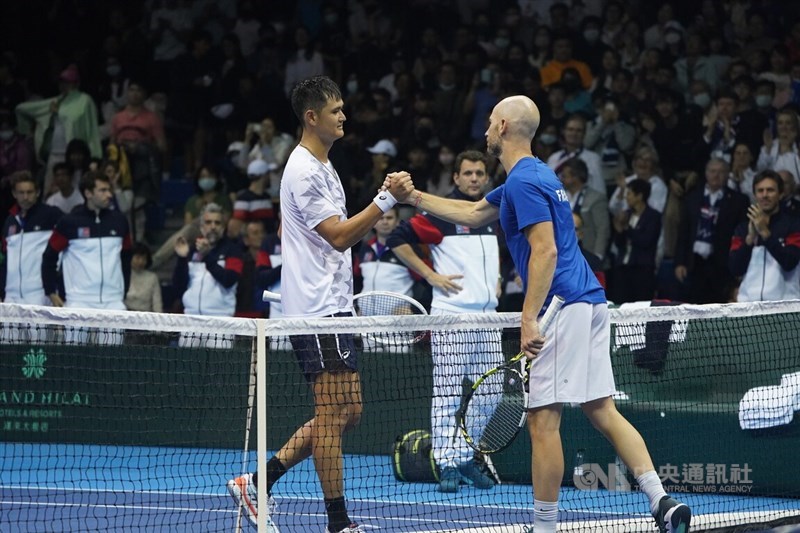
(66, 488)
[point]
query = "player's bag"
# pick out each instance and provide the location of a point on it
(412, 459)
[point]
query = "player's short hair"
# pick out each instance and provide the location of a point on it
(313, 93)
(23, 176)
(470, 155)
(768, 174)
(89, 180)
(640, 187)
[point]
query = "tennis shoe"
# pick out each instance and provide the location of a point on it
(352, 528)
(672, 516)
(245, 494)
(449, 479)
(472, 473)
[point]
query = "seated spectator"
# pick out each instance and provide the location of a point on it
(377, 267)
(577, 98)
(67, 196)
(636, 233)
(264, 141)
(254, 202)
(209, 191)
(789, 199)
(123, 196)
(144, 293)
(765, 249)
(383, 157)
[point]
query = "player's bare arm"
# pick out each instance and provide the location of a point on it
(343, 234)
(541, 267)
(472, 214)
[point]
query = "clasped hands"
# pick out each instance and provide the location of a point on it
(400, 185)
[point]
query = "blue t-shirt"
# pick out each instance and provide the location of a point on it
(532, 194)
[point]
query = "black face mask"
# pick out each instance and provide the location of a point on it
(424, 133)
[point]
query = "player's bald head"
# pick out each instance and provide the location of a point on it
(521, 115)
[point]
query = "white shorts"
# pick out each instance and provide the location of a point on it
(574, 365)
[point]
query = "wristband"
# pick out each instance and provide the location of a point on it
(418, 199)
(384, 200)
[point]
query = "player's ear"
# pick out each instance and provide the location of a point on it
(311, 117)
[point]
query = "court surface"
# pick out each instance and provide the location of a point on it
(123, 488)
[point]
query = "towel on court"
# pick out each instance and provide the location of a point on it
(766, 407)
(793, 380)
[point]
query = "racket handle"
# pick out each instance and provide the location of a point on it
(269, 296)
(555, 304)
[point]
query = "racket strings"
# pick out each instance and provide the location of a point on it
(495, 411)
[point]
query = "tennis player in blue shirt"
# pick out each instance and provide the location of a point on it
(534, 211)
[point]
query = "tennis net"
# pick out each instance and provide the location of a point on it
(135, 421)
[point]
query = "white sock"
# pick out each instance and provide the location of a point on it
(545, 516)
(650, 484)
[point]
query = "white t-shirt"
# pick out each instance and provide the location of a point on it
(316, 280)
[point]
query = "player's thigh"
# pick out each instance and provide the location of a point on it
(328, 353)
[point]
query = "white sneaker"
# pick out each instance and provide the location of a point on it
(245, 494)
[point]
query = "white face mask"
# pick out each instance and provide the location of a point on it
(207, 184)
(763, 100)
(547, 138)
(702, 99)
(591, 35)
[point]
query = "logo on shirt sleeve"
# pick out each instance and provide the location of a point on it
(461, 230)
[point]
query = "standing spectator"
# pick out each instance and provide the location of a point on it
(304, 60)
(57, 121)
(190, 100)
(67, 197)
(675, 135)
(208, 270)
(612, 137)
(592, 208)
(254, 202)
(710, 216)
(694, 65)
(636, 233)
(123, 196)
(562, 59)
(264, 141)
(15, 156)
(645, 166)
(383, 157)
(269, 263)
(144, 293)
(464, 277)
(26, 231)
(725, 127)
(765, 250)
(141, 133)
(781, 153)
(448, 105)
(95, 246)
(572, 146)
(249, 302)
(742, 173)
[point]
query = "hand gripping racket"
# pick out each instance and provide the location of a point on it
(488, 431)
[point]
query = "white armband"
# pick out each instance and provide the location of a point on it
(384, 200)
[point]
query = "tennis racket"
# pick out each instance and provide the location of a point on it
(489, 431)
(385, 303)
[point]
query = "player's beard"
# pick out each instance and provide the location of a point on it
(212, 237)
(494, 149)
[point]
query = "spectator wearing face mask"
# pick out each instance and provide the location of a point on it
(209, 191)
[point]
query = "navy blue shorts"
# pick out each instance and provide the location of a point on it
(325, 353)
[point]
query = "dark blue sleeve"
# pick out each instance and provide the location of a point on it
(229, 274)
(740, 252)
(403, 234)
(180, 276)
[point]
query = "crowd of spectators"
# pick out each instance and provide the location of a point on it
(691, 99)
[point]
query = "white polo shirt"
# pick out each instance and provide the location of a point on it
(316, 279)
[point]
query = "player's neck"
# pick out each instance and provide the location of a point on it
(315, 146)
(512, 154)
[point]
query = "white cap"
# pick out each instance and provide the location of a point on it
(259, 167)
(236, 146)
(222, 111)
(384, 146)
